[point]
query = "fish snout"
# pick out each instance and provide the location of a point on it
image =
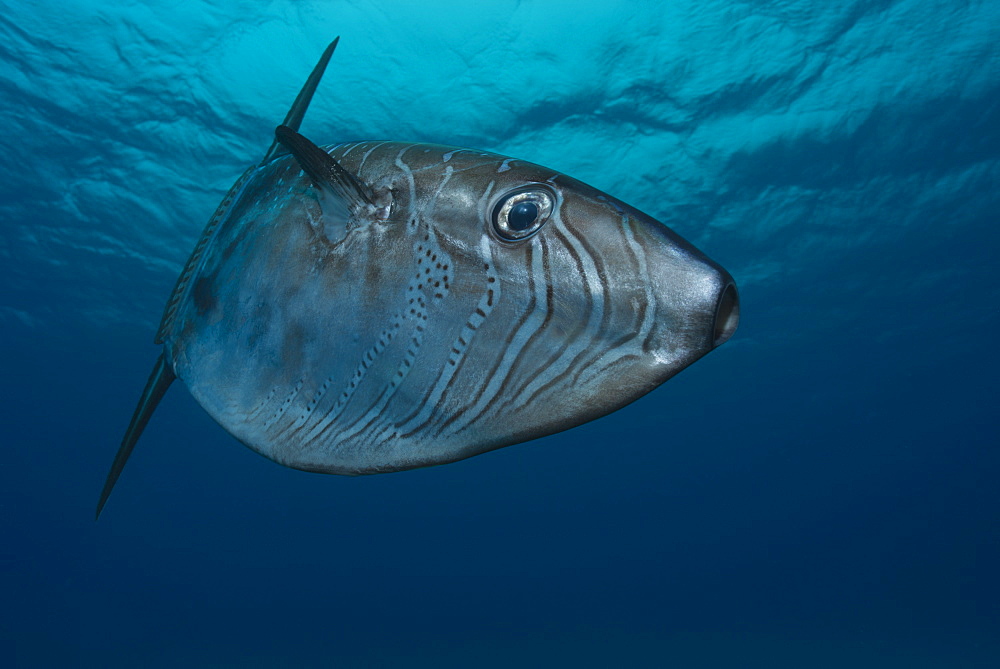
(696, 301)
(699, 310)
(727, 314)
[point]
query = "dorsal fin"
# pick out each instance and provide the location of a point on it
(298, 110)
(156, 386)
(293, 120)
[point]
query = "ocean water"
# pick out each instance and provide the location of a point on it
(819, 492)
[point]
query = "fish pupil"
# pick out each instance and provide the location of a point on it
(522, 215)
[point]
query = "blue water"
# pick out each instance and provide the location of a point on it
(819, 492)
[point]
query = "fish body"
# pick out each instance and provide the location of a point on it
(378, 306)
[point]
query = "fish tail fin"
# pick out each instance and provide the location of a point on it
(298, 110)
(159, 380)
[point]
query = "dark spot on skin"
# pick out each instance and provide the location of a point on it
(203, 294)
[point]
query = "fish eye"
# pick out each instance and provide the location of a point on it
(521, 213)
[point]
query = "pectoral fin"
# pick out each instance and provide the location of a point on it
(325, 172)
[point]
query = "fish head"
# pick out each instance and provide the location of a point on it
(573, 302)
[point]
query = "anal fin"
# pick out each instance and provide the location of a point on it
(159, 380)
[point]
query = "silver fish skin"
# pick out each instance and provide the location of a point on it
(378, 306)
(424, 337)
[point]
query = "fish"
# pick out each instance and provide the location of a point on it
(378, 306)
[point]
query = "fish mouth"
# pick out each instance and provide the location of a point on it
(727, 315)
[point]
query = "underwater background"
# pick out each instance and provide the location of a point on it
(822, 491)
